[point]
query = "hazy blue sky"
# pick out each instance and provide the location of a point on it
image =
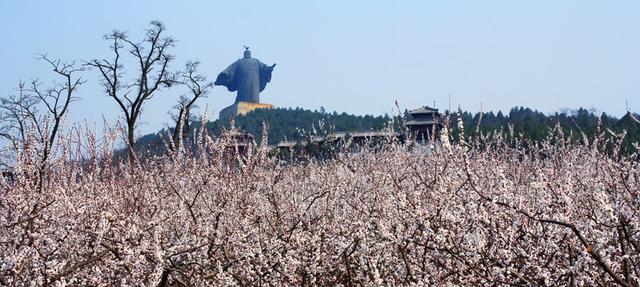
(354, 56)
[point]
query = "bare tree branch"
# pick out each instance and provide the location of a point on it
(198, 87)
(21, 112)
(131, 97)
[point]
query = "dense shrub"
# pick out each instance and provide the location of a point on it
(474, 212)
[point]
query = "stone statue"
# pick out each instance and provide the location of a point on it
(248, 76)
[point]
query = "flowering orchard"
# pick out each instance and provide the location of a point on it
(483, 211)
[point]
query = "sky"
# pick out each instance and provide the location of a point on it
(358, 57)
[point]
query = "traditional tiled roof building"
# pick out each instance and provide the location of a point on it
(425, 123)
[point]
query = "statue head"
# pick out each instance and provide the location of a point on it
(247, 53)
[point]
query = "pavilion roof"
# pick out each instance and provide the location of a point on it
(424, 110)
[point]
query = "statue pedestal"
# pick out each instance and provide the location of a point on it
(242, 108)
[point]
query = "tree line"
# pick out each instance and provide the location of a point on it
(298, 124)
(536, 126)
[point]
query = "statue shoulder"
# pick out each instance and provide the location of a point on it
(261, 64)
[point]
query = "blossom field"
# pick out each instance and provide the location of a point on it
(478, 211)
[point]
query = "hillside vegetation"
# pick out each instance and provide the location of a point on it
(294, 124)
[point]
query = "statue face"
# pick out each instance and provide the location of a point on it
(247, 54)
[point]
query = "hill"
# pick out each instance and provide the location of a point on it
(294, 123)
(291, 124)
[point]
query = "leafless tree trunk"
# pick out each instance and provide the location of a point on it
(198, 87)
(152, 59)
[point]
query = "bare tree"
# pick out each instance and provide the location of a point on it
(56, 99)
(198, 87)
(21, 115)
(152, 58)
(16, 112)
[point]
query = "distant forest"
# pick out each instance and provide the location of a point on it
(535, 125)
(294, 124)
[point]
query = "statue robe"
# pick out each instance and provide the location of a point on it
(248, 76)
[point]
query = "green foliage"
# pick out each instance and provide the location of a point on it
(295, 124)
(535, 126)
